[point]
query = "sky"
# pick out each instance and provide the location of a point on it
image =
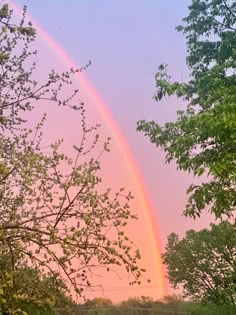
(126, 41)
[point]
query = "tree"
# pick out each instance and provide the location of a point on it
(139, 302)
(97, 306)
(204, 263)
(28, 290)
(53, 213)
(202, 140)
(98, 301)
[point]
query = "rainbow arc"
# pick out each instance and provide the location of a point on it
(141, 190)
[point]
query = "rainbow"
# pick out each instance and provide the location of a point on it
(146, 204)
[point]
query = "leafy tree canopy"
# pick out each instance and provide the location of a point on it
(202, 140)
(98, 301)
(28, 290)
(204, 263)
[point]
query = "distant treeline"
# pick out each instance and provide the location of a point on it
(170, 305)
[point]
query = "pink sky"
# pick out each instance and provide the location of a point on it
(126, 41)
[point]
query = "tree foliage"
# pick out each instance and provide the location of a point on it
(53, 213)
(204, 263)
(139, 302)
(28, 290)
(202, 140)
(172, 304)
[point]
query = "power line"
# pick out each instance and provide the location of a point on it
(124, 288)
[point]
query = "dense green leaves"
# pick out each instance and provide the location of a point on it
(204, 263)
(28, 290)
(202, 140)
